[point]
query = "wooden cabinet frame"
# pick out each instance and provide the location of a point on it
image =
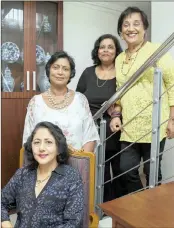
(14, 104)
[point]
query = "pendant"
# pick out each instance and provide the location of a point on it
(38, 182)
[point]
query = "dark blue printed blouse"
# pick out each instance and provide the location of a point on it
(59, 205)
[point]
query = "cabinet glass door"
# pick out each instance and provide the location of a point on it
(46, 40)
(12, 43)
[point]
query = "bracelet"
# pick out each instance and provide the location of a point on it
(115, 114)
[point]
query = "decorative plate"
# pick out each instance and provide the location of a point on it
(10, 52)
(40, 55)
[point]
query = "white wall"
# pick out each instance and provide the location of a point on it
(163, 26)
(84, 22)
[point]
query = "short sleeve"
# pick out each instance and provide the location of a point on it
(90, 132)
(81, 86)
(29, 120)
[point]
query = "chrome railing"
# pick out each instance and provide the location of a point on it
(155, 131)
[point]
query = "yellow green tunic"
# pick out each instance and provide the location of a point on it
(141, 94)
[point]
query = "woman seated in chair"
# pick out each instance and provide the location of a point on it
(47, 193)
(62, 106)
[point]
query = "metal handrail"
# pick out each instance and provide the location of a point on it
(137, 75)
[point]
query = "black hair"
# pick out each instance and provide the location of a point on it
(56, 132)
(128, 12)
(94, 52)
(57, 55)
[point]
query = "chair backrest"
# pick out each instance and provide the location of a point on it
(84, 162)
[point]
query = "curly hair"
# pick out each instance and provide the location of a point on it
(55, 57)
(128, 12)
(94, 52)
(56, 132)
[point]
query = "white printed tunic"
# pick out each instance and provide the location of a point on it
(75, 121)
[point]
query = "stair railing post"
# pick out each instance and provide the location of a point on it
(156, 118)
(100, 157)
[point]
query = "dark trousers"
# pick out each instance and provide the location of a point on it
(112, 189)
(131, 157)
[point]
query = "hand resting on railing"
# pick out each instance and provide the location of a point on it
(115, 112)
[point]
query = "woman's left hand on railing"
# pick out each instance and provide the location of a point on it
(170, 128)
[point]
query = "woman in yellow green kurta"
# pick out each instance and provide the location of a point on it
(132, 26)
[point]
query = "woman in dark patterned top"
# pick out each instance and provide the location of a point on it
(98, 84)
(47, 193)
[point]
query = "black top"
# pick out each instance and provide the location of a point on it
(96, 95)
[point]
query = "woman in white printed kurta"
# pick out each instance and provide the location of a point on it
(63, 107)
(75, 120)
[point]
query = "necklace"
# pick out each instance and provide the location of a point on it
(129, 58)
(129, 54)
(38, 182)
(58, 104)
(55, 97)
(99, 86)
(125, 74)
